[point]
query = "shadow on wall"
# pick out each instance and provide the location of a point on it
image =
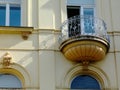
(15, 41)
(52, 9)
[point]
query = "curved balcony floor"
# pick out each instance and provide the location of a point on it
(85, 48)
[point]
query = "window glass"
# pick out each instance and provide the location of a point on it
(88, 20)
(85, 22)
(2, 15)
(85, 82)
(10, 12)
(15, 14)
(88, 11)
(9, 81)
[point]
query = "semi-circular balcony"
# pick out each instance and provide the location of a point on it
(84, 39)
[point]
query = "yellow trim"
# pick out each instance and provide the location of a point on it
(88, 42)
(13, 72)
(15, 30)
(84, 51)
(24, 31)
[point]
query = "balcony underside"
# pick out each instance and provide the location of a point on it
(85, 48)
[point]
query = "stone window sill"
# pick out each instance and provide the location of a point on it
(24, 31)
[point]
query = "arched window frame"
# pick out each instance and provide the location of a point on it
(92, 70)
(20, 72)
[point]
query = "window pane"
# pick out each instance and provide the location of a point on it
(2, 15)
(88, 20)
(85, 82)
(15, 15)
(88, 11)
(9, 81)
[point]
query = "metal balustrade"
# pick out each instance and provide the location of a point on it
(78, 26)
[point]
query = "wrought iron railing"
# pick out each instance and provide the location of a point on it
(78, 26)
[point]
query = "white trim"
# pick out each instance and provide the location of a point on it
(7, 15)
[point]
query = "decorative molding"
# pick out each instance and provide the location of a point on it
(24, 31)
(7, 60)
(15, 72)
(25, 35)
(7, 66)
(91, 70)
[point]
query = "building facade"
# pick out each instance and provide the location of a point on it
(59, 45)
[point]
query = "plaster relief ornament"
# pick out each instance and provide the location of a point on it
(7, 60)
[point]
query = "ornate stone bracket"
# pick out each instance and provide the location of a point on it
(25, 35)
(7, 60)
(85, 64)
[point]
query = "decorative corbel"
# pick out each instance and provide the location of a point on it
(25, 35)
(7, 60)
(85, 65)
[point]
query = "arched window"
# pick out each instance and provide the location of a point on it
(85, 82)
(9, 81)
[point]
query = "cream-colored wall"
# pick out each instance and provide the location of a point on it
(35, 11)
(40, 55)
(24, 54)
(109, 11)
(29, 12)
(48, 48)
(50, 10)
